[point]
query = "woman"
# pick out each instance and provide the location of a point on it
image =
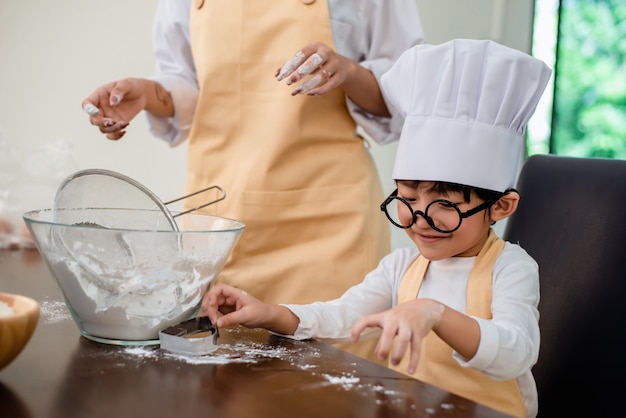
(269, 94)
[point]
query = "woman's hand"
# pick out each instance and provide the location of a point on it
(112, 106)
(403, 328)
(327, 70)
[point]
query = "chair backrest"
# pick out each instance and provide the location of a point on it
(572, 220)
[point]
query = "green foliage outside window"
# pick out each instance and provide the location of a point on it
(589, 114)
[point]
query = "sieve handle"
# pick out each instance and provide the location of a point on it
(222, 197)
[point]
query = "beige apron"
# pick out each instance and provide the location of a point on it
(292, 168)
(436, 365)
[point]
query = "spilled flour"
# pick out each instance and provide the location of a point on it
(251, 352)
(347, 382)
(242, 352)
(54, 311)
(297, 357)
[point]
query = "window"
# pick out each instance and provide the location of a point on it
(583, 111)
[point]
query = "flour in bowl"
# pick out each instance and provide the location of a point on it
(132, 303)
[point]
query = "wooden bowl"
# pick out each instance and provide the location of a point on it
(17, 327)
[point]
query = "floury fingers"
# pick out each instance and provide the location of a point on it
(302, 69)
(290, 65)
(91, 109)
(311, 64)
(311, 83)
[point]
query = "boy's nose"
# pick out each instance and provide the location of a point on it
(420, 221)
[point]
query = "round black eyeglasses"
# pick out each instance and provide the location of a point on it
(441, 215)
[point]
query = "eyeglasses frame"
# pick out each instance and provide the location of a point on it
(462, 215)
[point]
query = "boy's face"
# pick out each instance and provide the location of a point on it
(466, 241)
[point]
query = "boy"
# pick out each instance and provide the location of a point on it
(466, 104)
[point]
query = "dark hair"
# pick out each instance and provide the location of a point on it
(443, 187)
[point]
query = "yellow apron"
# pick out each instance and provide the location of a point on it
(292, 168)
(436, 365)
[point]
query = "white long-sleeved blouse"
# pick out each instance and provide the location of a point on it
(509, 342)
(371, 32)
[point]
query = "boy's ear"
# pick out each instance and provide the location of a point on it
(505, 206)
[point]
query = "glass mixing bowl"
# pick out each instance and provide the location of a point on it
(123, 285)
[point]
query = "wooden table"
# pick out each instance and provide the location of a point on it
(253, 374)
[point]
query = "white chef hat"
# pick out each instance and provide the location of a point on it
(466, 104)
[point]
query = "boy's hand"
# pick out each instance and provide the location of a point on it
(403, 327)
(238, 307)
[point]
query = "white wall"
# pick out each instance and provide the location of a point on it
(54, 53)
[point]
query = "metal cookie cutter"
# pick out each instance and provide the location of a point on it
(195, 336)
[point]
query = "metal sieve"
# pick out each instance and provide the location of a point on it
(100, 190)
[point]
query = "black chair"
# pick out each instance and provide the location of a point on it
(572, 220)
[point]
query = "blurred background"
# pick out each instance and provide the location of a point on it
(53, 54)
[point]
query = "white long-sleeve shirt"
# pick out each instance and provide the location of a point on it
(509, 342)
(371, 32)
